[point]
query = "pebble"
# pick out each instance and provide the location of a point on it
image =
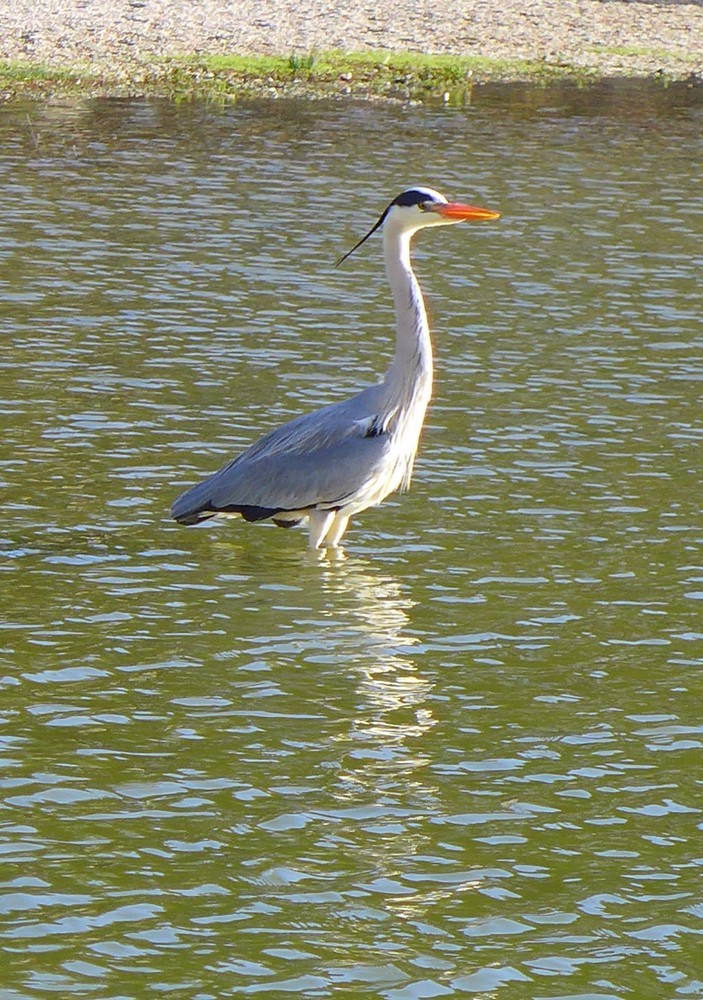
(612, 37)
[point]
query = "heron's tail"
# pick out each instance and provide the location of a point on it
(192, 506)
(196, 505)
(197, 518)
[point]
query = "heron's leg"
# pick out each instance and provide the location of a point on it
(319, 522)
(337, 529)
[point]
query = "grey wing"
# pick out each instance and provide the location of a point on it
(320, 459)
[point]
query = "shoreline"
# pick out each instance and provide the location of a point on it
(390, 48)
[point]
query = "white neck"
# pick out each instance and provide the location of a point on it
(412, 364)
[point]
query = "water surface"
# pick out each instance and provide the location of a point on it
(465, 759)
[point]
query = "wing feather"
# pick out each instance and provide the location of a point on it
(328, 476)
(319, 459)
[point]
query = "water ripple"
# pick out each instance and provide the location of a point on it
(230, 768)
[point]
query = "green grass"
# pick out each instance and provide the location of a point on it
(25, 74)
(37, 81)
(381, 74)
(378, 74)
(367, 75)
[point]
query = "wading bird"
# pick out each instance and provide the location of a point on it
(331, 464)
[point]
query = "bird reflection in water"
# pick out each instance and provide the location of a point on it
(376, 609)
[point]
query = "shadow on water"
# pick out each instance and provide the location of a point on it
(630, 99)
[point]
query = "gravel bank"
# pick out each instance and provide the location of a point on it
(611, 37)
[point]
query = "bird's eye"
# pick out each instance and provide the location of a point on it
(423, 205)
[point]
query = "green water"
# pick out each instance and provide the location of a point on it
(466, 759)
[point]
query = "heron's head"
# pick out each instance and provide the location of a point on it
(421, 207)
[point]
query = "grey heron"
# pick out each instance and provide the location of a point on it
(331, 464)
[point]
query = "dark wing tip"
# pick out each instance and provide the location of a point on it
(250, 512)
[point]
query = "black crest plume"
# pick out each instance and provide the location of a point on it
(413, 196)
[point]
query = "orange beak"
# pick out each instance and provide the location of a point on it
(462, 213)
